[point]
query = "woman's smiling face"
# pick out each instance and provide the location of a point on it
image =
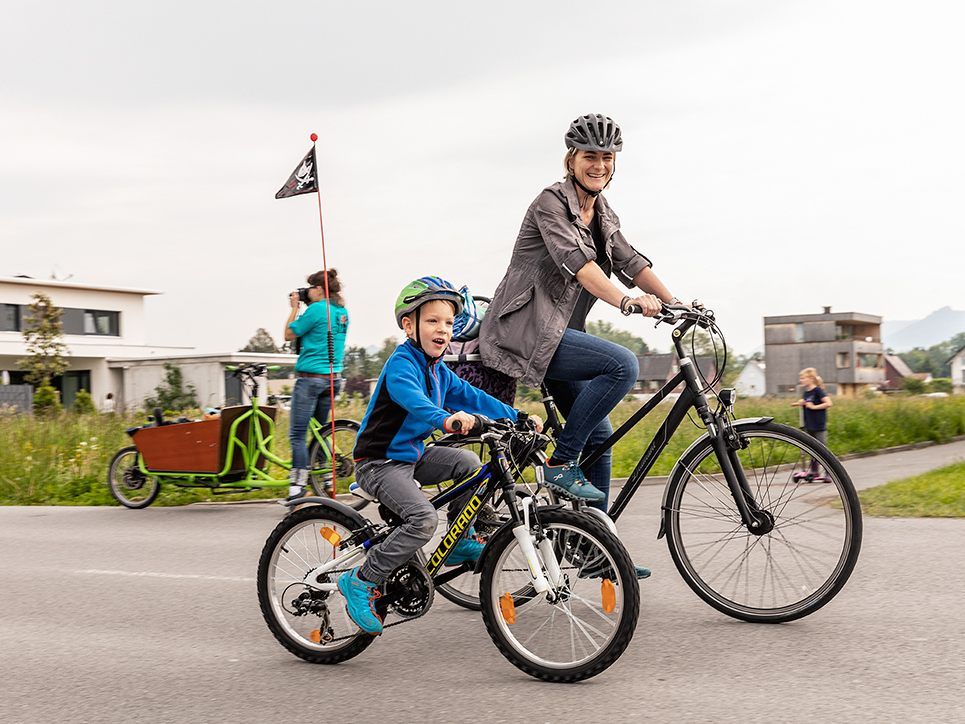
(593, 169)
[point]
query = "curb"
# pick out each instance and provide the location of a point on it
(662, 480)
(655, 480)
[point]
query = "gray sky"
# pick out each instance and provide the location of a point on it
(778, 156)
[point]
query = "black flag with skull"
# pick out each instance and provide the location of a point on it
(304, 179)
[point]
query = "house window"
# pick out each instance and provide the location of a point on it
(91, 321)
(842, 360)
(9, 318)
(798, 332)
(100, 322)
(869, 360)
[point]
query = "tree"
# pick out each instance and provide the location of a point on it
(43, 332)
(262, 341)
(173, 394)
(389, 345)
(605, 330)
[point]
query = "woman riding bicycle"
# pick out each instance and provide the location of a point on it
(313, 390)
(535, 330)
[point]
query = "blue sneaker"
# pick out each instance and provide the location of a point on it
(360, 599)
(467, 550)
(568, 480)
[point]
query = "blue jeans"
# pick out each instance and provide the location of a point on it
(588, 377)
(310, 397)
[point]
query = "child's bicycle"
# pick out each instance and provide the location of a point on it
(745, 530)
(558, 592)
(229, 454)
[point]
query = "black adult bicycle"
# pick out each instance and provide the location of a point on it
(558, 592)
(750, 535)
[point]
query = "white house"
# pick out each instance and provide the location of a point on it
(751, 380)
(957, 364)
(105, 334)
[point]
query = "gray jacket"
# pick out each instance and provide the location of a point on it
(536, 298)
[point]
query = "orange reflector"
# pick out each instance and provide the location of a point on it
(330, 535)
(508, 608)
(316, 636)
(608, 595)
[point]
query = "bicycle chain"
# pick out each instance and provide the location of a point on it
(388, 625)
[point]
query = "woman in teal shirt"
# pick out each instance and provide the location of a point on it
(312, 393)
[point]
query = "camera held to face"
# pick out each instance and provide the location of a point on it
(303, 295)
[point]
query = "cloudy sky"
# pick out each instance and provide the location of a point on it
(778, 156)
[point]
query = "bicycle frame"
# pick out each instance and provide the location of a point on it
(489, 478)
(258, 446)
(692, 397)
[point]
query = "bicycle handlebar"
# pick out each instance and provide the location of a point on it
(673, 313)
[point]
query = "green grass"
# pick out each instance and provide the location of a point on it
(936, 494)
(63, 460)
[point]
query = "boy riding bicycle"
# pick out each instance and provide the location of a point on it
(414, 395)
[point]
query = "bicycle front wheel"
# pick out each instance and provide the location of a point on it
(129, 486)
(584, 627)
(788, 572)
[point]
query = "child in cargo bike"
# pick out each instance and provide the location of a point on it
(415, 394)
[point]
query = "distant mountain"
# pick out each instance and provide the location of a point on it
(939, 326)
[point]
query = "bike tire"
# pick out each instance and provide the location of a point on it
(313, 517)
(813, 546)
(116, 473)
(617, 561)
(346, 432)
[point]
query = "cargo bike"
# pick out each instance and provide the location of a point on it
(227, 454)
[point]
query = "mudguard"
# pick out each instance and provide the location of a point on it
(330, 503)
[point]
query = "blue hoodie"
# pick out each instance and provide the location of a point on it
(413, 397)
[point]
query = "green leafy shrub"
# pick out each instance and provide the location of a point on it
(47, 401)
(940, 384)
(84, 403)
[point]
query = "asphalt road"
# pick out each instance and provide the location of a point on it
(108, 614)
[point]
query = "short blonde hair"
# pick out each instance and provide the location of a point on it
(813, 374)
(569, 156)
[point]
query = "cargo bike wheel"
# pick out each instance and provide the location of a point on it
(128, 484)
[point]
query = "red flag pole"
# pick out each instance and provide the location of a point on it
(328, 310)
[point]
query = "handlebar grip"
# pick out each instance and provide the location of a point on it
(456, 425)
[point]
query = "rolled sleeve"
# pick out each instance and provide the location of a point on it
(305, 322)
(627, 261)
(562, 239)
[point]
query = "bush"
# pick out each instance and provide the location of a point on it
(914, 386)
(47, 401)
(173, 394)
(84, 403)
(941, 384)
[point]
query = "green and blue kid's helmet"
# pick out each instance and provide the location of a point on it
(422, 290)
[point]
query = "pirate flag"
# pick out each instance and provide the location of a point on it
(304, 179)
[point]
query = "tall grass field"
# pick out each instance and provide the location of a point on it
(63, 460)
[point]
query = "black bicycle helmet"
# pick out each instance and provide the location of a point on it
(594, 132)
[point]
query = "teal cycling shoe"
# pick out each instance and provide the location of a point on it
(568, 480)
(642, 572)
(466, 550)
(360, 597)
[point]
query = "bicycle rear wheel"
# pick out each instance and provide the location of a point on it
(311, 623)
(586, 628)
(790, 571)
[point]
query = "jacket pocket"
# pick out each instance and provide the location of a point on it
(517, 302)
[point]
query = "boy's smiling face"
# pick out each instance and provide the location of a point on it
(435, 326)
